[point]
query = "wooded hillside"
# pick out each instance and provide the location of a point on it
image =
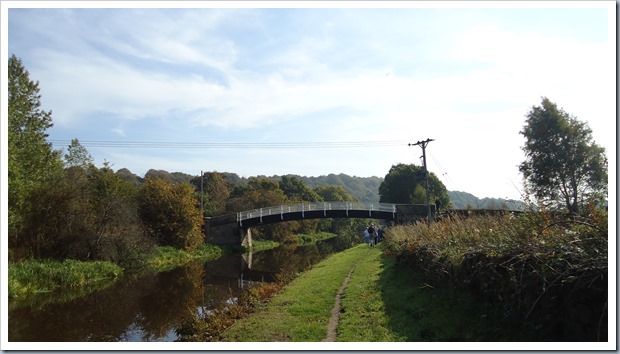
(364, 189)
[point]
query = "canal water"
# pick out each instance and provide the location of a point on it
(150, 307)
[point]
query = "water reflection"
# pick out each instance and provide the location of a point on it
(150, 306)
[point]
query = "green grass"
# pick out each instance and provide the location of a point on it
(301, 311)
(41, 276)
(304, 239)
(166, 258)
(383, 302)
(262, 245)
(389, 303)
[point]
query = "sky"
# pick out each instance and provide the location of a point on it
(317, 88)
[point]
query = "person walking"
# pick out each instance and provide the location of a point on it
(372, 234)
(367, 236)
(380, 234)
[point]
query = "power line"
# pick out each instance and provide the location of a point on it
(232, 145)
(444, 173)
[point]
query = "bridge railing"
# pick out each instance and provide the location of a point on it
(314, 206)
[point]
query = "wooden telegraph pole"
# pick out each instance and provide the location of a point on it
(428, 196)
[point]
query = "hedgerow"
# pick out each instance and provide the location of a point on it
(543, 274)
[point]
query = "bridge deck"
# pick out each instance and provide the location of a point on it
(316, 210)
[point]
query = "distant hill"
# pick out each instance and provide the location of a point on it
(365, 189)
(464, 200)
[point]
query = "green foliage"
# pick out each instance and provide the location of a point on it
(259, 193)
(303, 239)
(464, 200)
(563, 166)
(405, 184)
(86, 215)
(297, 191)
(167, 257)
(546, 274)
(77, 155)
(170, 214)
(301, 311)
(216, 191)
(31, 160)
(33, 276)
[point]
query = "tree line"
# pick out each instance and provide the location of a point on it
(62, 206)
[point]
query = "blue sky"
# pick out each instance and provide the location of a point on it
(464, 76)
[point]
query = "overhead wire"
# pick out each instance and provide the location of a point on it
(232, 145)
(442, 171)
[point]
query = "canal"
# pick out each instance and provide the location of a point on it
(150, 307)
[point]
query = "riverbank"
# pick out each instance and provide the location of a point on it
(77, 278)
(359, 295)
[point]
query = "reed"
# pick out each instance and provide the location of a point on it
(545, 271)
(167, 257)
(38, 276)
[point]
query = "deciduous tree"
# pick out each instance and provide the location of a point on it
(564, 167)
(78, 155)
(170, 214)
(404, 184)
(31, 159)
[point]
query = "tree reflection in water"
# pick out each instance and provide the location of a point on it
(149, 307)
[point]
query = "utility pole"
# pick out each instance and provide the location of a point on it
(202, 196)
(428, 196)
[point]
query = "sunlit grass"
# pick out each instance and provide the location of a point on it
(167, 257)
(537, 268)
(39, 276)
(303, 239)
(301, 311)
(385, 302)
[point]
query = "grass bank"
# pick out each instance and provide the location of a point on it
(43, 276)
(299, 312)
(77, 278)
(166, 258)
(304, 239)
(386, 302)
(544, 273)
(382, 302)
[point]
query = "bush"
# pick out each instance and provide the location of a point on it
(170, 214)
(86, 215)
(545, 273)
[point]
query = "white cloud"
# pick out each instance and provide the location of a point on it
(355, 75)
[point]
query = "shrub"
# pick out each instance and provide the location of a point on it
(170, 214)
(545, 272)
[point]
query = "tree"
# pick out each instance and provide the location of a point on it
(31, 159)
(296, 190)
(261, 192)
(216, 189)
(404, 184)
(563, 165)
(170, 214)
(88, 214)
(78, 155)
(348, 230)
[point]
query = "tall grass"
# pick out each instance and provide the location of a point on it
(304, 239)
(37, 276)
(167, 257)
(531, 265)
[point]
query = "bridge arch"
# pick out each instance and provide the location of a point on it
(236, 228)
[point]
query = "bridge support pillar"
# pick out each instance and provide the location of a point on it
(246, 237)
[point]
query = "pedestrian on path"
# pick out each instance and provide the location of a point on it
(372, 231)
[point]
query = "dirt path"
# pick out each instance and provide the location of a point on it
(333, 320)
